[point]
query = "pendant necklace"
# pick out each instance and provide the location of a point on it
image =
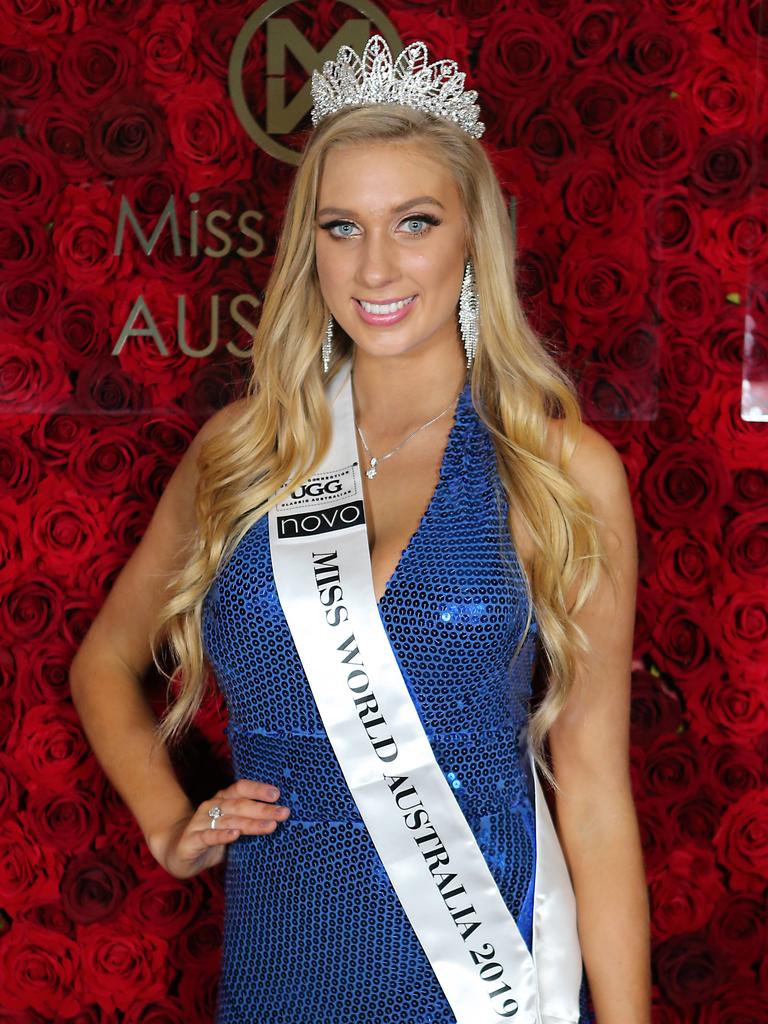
(374, 462)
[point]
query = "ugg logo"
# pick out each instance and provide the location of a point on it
(324, 488)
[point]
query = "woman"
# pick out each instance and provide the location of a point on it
(390, 857)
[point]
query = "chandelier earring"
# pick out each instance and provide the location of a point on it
(469, 313)
(328, 345)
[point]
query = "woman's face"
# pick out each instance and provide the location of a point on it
(390, 227)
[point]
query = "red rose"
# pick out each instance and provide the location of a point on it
(744, 622)
(687, 294)
(746, 546)
(685, 561)
(682, 632)
(60, 130)
(671, 227)
(83, 234)
(722, 87)
(736, 769)
(97, 64)
(200, 942)
(600, 279)
(39, 970)
(741, 842)
(738, 240)
(49, 916)
(742, 24)
(162, 906)
(169, 44)
(724, 169)
(29, 873)
(26, 75)
(52, 749)
(683, 485)
(35, 380)
(689, 969)
(107, 455)
(81, 328)
(718, 415)
(208, 145)
(117, 966)
(128, 135)
(698, 815)
(682, 892)
(593, 199)
(683, 362)
(521, 57)
(738, 925)
(594, 31)
(103, 387)
(168, 436)
(24, 247)
(740, 1001)
(731, 706)
(95, 885)
(47, 669)
(655, 709)
(29, 182)
(69, 819)
(672, 767)
(652, 53)
(599, 100)
(656, 140)
(60, 522)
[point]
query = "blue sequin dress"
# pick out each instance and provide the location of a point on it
(313, 930)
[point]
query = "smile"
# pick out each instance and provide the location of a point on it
(382, 308)
(383, 314)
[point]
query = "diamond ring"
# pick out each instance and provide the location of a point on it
(213, 814)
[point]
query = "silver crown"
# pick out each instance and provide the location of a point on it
(352, 81)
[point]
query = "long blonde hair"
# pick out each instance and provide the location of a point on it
(283, 429)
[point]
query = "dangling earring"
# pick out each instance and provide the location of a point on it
(469, 313)
(327, 344)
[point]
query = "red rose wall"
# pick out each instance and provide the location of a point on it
(633, 138)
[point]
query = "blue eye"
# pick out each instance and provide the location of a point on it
(424, 221)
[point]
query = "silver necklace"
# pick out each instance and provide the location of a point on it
(371, 471)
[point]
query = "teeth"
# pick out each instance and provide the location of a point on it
(371, 307)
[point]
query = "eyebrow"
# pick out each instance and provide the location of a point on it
(338, 212)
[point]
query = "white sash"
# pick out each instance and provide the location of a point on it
(322, 570)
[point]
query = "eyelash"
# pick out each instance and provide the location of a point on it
(426, 217)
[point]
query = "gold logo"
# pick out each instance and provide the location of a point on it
(282, 37)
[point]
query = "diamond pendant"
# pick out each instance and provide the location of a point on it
(371, 473)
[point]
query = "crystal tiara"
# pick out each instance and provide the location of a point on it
(352, 81)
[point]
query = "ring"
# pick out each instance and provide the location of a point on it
(213, 814)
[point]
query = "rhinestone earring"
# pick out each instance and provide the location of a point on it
(327, 345)
(469, 312)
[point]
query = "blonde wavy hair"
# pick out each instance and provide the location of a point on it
(281, 430)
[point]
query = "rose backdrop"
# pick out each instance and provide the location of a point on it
(632, 136)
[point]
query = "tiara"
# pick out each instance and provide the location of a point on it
(438, 88)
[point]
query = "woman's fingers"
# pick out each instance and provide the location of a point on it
(246, 807)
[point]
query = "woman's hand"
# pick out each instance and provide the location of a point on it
(191, 845)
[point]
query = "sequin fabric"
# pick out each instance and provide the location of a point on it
(313, 930)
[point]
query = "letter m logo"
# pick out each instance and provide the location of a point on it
(283, 36)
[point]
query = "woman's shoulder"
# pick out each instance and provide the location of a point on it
(594, 466)
(221, 420)
(594, 463)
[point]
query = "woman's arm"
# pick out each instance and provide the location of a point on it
(594, 809)
(106, 681)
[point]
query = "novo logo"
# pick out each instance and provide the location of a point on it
(283, 36)
(312, 524)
